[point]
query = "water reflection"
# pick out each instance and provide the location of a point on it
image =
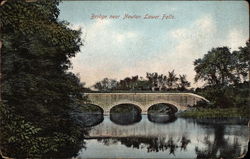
(152, 144)
(220, 146)
(184, 143)
(162, 113)
(88, 115)
(125, 118)
(125, 114)
(89, 119)
(181, 138)
(157, 118)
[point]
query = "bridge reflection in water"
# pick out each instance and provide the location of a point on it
(145, 128)
(180, 138)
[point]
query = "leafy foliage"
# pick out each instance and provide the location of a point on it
(39, 92)
(22, 139)
(225, 76)
(221, 67)
(215, 67)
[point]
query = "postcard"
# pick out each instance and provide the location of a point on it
(124, 79)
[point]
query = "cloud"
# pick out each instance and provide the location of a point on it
(236, 38)
(195, 41)
(113, 52)
(103, 52)
(191, 43)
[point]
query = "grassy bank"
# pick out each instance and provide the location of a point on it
(217, 113)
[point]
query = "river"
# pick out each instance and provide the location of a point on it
(178, 138)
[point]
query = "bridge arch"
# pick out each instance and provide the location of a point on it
(137, 104)
(124, 104)
(173, 103)
(173, 107)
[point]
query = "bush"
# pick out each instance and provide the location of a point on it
(227, 96)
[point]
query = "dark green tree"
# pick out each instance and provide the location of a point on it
(242, 62)
(39, 92)
(225, 75)
(215, 68)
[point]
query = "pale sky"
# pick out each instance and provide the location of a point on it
(117, 48)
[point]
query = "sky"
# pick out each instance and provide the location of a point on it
(119, 48)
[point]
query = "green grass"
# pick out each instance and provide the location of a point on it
(217, 112)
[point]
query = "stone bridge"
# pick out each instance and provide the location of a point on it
(180, 101)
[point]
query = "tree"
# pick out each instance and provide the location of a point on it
(243, 56)
(128, 83)
(225, 73)
(134, 82)
(239, 69)
(215, 68)
(106, 84)
(1, 44)
(171, 80)
(37, 88)
(150, 77)
(153, 80)
(183, 83)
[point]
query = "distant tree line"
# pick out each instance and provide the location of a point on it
(152, 82)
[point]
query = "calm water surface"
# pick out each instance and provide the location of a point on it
(179, 138)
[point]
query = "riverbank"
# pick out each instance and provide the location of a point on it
(216, 113)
